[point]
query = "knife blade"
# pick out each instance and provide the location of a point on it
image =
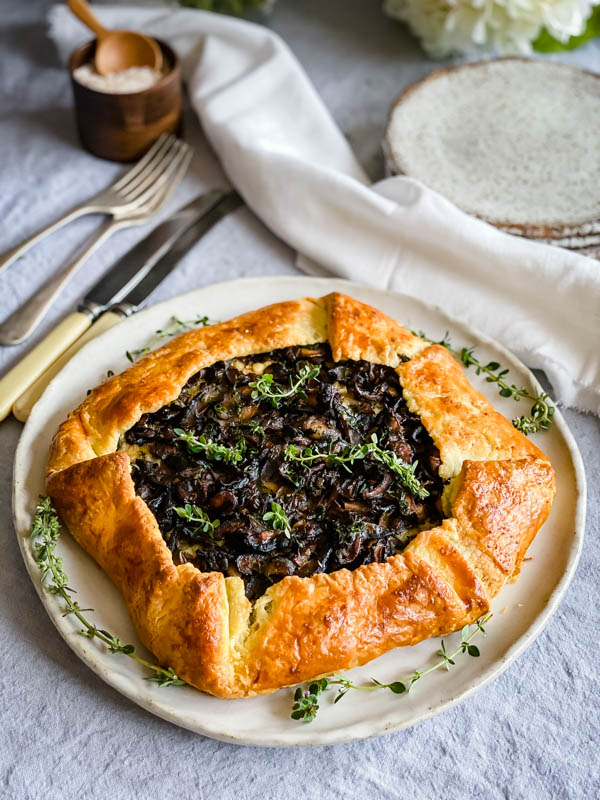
(140, 260)
(163, 266)
(100, 314)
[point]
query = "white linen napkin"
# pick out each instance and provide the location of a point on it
(285, 155)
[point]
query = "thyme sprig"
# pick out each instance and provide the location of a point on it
(265, 388)
(540, 416)
(193, 513)
(542, 411)
(405, 472)
(45, 533)
(175, 327)
(212, 450)
(348, 533)
(178, 326)
(255, 428)
(306, 700)
(278, 519)
(306, 456)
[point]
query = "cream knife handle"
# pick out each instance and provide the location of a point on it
(16, 380)
(22, 408)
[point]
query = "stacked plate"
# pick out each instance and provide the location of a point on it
(515, 142)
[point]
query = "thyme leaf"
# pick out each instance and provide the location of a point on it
(306, 700)
(404, 472)
(193, 513)
(133, 355)
(255, 428)
(307, 456)
(351, 416)
(175, 327)
(540, 417)
(347, 533)
(542, 411)
(178, 326)
(45, 533)
(212, 450)
(306, 704)
(278, 519)
(265, 388)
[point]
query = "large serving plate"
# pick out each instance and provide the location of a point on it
(521, 610)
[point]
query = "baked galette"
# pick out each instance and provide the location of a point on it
(295, 492)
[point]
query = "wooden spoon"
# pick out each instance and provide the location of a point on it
(118, 50)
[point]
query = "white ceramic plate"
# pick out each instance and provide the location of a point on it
(520, 611)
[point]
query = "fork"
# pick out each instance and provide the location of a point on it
(22, 322)
(120, 199)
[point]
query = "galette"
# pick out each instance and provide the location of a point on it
(296, 491)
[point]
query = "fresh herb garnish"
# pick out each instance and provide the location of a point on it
(349, 414)
(306, 456)
(193, 513)
(265, 388)
(540, 417)
(306, 701)
(278, 519)
(347, 533)
(255, 428)
(542, 411)
(133, 355)
(45, 533)
(212, 450)
(176, 327)
(405, 472)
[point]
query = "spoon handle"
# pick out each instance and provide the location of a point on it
(82, 10)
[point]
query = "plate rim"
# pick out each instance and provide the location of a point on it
(86, 653)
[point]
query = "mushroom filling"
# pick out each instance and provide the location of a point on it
(286, 463)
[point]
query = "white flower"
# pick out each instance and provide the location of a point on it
(506, 26)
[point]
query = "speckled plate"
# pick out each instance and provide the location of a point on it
(514, 141)
(521, 610)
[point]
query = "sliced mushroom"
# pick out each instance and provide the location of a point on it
(319, 428)
(224, 502)
(380, 488)
(264, 565)
(346, 404)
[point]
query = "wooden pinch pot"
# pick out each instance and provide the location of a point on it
(121, 127)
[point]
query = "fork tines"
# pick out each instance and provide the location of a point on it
(150, 175)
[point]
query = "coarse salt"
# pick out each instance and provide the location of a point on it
(134, 79)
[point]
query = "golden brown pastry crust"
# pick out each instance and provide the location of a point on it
(500, 490)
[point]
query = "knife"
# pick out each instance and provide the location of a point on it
(116, 295)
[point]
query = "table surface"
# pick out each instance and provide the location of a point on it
(529, 734)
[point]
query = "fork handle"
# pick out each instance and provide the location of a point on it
(21, 323)
(10, 256)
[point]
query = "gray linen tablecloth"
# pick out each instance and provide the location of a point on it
(533, 733)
